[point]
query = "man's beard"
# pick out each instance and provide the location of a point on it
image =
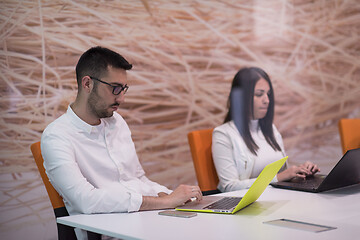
(97, 108)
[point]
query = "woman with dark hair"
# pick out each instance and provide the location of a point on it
(248, 140)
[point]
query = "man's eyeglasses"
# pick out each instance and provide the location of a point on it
(117, 89)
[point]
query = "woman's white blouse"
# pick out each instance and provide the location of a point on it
(237, 167)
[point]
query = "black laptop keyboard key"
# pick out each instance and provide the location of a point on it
(224, 203)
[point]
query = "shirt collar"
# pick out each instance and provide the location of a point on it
(110, 122)
(253, 125)
(85, 127)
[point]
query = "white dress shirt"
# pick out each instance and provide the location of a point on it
(237, 167)
(95, 168)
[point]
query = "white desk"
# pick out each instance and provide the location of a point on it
(339, 208)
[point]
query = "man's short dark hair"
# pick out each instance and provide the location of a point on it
(95, 62)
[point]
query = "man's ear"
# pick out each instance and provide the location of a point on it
(87, 84)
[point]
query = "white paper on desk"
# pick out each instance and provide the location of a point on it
(311, 227)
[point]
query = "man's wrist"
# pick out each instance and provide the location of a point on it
(152, 203)
(162, 194)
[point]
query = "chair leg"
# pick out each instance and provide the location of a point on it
(93, 236)
(65, 232)
(210, 192)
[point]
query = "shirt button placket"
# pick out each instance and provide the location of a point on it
(112, 155)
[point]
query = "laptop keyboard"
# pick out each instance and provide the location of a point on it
(312, 182)
(224, 203)
(308, 185)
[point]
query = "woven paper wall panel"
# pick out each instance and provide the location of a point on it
(185, 54)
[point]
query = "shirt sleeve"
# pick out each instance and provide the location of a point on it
(157, 187)
(81, 196)
(154, 186)
(229, 178)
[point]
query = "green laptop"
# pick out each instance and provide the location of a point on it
(230, 205)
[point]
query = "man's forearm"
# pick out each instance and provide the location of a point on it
(152, 203)
(178, 197)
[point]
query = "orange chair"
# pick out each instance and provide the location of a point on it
(349, 133)
(64, 232)
(200, 147)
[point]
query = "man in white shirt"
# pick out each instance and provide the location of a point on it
(88, 152)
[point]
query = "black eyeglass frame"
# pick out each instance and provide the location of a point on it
(115, 90)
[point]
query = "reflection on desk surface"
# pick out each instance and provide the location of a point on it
(349, 190)
(260, 207)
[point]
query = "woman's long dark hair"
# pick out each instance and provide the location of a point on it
(246, 79)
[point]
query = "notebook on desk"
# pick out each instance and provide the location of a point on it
(345, 173)
(230, 205)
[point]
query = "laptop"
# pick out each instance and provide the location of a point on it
(345, 173)
(230, 205)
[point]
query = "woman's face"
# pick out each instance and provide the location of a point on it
(261, 98)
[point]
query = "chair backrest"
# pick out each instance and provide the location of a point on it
(64, 232)
(55, 199)
(200, 147)
(349, 133)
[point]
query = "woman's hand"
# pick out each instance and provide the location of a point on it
(302, 171)
(313, 168)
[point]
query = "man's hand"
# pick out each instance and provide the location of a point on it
(178, 197)
(183, 194)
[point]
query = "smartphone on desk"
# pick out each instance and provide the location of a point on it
(175, 213)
